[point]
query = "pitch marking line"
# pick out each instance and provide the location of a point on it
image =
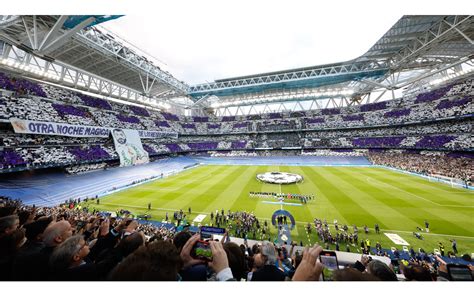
(370, 179)
(384, 183)
(299, 222)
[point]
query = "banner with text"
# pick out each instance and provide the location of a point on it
(156, 134)
(60, 129)
(129, 147)
(22, 126)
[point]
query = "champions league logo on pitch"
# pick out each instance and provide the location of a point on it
(279, 178)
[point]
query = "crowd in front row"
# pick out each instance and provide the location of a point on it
(60, 243)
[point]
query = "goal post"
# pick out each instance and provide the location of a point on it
(453, 182)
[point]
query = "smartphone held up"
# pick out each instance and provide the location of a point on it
(202, 250)
(329, 260)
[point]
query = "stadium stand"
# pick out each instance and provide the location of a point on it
(60, 187)
(50, 229)
(440, 120)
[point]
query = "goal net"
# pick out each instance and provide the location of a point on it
(453, 182)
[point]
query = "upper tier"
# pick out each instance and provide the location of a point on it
(48, 103)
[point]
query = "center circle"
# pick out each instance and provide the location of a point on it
(279, 178)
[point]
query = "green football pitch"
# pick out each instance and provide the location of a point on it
(398, 202)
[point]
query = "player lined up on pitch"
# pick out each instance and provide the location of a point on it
(303, 198)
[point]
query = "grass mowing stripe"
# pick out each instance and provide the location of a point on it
(362, 193)
(419, 181)
(443, 201)
(245, 188)
(266, 210)
(387, 184)
(349, 207)
(219, 183)
(172, 199)
(233, 196)
(416, 210)
(198, 175)
(322, 207)
(112, 206)
(323, 198)
(409, 208)
(180, 177)
(304, 212)
(412, 187)
(374, 199)
(197, 178)
(231, 192)
(205, 192)
(455, 218)
(156, 185)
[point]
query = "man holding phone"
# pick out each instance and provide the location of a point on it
(453, 272)
(329, 260)
(310, 268)
(219, 262)
(202, 250)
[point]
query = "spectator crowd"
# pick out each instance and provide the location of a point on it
(436, 120)
(455, 165)
(74, 244)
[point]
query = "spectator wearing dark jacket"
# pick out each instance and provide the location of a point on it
(416, 272)
(194, 272)
(8, 224)
(9, 246)
(381, 270)
(26, 255)
(55, 234)
(269, 272)
(69, 262)
(236, 260)
(157, 261)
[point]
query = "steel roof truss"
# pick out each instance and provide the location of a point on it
(80, 58)
(61, 40)
(106, 44)
(53, 32)
(6, 50)
(299, 104)
(431, 73)
(30, 38)
(461, 33)
(442, 27)
(290, 76)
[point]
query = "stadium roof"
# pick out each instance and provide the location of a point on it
(72, 51)
(414, 48)
(76, 46)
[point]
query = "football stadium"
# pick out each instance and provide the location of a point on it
(112, 168)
